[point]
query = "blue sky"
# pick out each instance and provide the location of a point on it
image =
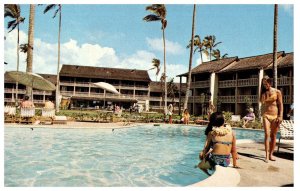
(116, 36)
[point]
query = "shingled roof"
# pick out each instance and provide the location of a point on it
(49, 77)
(212, 66)
(104, 73)
(156, 86)
(253, 62)
(286, 61)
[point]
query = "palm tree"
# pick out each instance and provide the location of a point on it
(199, 45)
(172, 90)
(210, 43)
(159, 14)
(156, 64)
(14, 11)
(217, 54)
(30, 44)
(190, 62)
(275, 46)
(48, 8)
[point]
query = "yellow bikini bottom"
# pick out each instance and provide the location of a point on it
(270, 118)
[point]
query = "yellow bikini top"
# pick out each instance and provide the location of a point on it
(273, 96)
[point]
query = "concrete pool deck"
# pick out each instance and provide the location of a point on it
(253, 172)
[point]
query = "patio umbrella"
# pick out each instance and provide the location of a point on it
(31, 79)
(106, 87)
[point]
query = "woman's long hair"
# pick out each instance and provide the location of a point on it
(263, 89)
(216, 119)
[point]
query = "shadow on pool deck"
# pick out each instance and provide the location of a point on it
(255, 172)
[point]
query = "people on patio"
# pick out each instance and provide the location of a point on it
(222, 140)
(26, 102)
(210, 109)
(49, 104)
(170, 112)
(249, 117)
(272, 113)
(290, 114)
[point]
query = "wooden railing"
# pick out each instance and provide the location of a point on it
(227, 83)
(283, 81)
(200, 84)
(227, 99)
(247, 82)
(247, 98)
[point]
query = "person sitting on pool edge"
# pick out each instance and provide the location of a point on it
(186, 117)
(223, 142)
(249, 117)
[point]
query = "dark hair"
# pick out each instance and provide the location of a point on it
(26, 97)
(216, 119)
(268, 79)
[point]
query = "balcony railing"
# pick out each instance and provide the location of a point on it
(227, 83)
(247, 98)
(227, 99)
(247, 82)
(284, 81)
(286, 99)
(200, 84)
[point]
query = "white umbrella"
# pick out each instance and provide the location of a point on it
(31, 79)
(106, 87)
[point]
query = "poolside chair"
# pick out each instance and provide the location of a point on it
(286, 131)
(47, 115)
(59, 120)
(9, 114)
(27, 114)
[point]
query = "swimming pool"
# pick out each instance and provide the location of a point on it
(138, 156)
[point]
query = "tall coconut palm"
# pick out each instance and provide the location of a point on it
(275, 45)
(156, 64)
(58, 10)
(210, 43)
(217, 54)
(198, 44)
(190, 61)
(30, 44)
(159, 14)
(14, 11)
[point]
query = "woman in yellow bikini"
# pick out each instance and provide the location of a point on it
(272, 111)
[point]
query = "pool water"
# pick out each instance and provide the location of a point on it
(139, 156)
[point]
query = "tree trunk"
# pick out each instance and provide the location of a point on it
(18, 50)
(275, 46)
(30, 45)
(190, 62)
(165, 70)
(58, 64)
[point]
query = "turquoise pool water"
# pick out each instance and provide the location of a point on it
(139, 156)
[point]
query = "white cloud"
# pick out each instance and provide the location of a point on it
(171, 47)
(289, 8)
(45, 57)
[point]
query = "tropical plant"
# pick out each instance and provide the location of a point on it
(159, 14)
(156, 64)
(190, 62)
(209, 44)
(58, 10)
(14, 11)
(275, 45)
(172, 90)
(30, 44)
(198, 44)
(217, 54)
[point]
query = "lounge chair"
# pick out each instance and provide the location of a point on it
(27, 114)
(9, 114)
(59, 120)
(286, 131)
(47, 115)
